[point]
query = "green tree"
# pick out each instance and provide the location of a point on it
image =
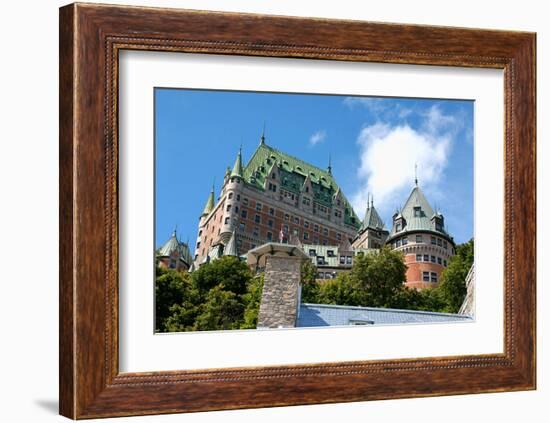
(228, 271)
(379, 277)
(310, 286)
(341, 290)
(171, 287)
(453, 279)
(252, 300)
(222, 310)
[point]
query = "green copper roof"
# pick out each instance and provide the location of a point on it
(293, 173)
(372, 219)
(173, 244)
(209, 206)
(238, 166)
(417, 214)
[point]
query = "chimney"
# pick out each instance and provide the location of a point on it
(280, 301)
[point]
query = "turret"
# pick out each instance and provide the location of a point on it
(237, 171)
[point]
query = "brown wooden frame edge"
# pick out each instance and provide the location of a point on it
(90, 38)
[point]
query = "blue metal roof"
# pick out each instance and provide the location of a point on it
(315, 315)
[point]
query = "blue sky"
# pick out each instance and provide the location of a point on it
(374, 144)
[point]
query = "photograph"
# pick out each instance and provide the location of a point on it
(299, 210)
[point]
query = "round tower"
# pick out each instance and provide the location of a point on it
(419, 233)
(232, 189)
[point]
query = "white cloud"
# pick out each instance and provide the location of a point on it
(389, 153)
(317, 137)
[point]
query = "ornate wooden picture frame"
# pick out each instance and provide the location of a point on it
(91, 37)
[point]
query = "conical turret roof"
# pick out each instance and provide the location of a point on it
(169, 246)
(418, 214)
(238, 166)
(372, 219)
(209, 206)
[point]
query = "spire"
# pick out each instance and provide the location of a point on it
(329, 165)
(372, 218)
(415, 175)
(262, 138)
(209, 206)
(238, 166)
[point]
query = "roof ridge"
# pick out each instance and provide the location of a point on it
(298, 160)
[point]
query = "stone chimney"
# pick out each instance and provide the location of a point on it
(282, 265)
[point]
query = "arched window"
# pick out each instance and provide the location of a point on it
(230, 196)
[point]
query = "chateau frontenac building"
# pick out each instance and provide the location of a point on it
(278, 198)
(274, 197)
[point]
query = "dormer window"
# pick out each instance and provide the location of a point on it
(398, 226)
(417, 212)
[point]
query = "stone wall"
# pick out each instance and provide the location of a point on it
(281, 292)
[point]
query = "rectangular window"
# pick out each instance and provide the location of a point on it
(426, 257)
(432, 259)
(418, 239)
(306, 236)
(269, 236)
(445, 263)
(445, 244)
(245, 201)
(287, 217)
(272, 212)
(398, 243)
(325, 242)
(439, 261)
(325, 232)
(316, 228)
(238, 197)
(244, 214)
(257, 218)
(312, 253)
(256, 231)
(342, 259)
(419, 257)
(433, 277)
(348, 259)
(339, 236)
(398, 226)
(320, 275)
(417, 212)
(285, 229)
(405, 241)
(433, 240)
(426, 276)
(330, 253)
(242, 226)
(228, 207)
(321, 260)
(439, 242)
(270, 223)
(296, 220)
(306, 224)
(259, 206)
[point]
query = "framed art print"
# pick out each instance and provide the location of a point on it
(260, 211)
